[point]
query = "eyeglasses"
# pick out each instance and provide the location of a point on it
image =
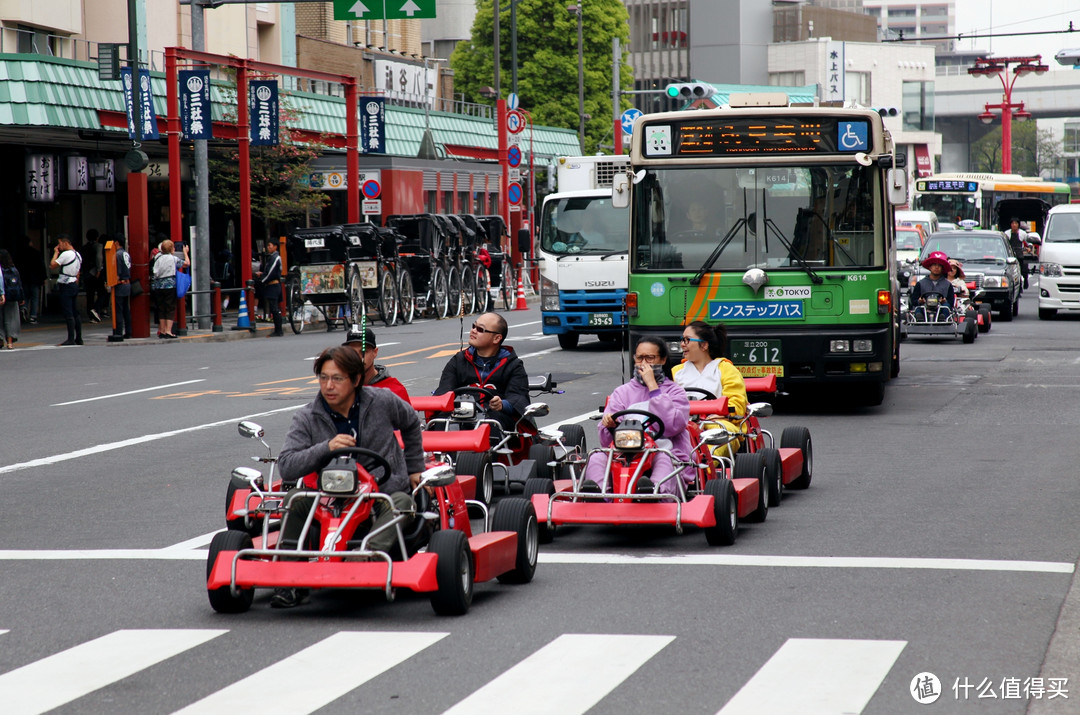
(685, 339)
(336, 379)
(481, 329)
(647, 358)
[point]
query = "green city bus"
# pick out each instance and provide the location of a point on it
(778, 222)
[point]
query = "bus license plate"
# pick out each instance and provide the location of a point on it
(601, 319)
(756, 352)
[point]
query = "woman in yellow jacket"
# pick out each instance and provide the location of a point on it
(704, 368)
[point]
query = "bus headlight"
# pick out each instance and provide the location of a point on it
(1051, 270)
(839, 346)
(549, 294)
(862, 346)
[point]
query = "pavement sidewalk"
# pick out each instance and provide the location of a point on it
(52, 331)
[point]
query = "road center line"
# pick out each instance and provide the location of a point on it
(132, 392)
(108, 447)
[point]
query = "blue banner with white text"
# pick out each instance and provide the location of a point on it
(263, 109)
(195, 118)
(372, 125)
(147, 114)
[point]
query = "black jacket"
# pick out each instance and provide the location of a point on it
(507, 376)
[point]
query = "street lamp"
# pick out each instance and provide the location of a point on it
(999, 67)
(578, 10)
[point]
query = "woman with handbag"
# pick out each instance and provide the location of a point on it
(163, 285)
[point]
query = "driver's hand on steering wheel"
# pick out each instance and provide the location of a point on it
(341, 441)
(606, 421)
(495, 403)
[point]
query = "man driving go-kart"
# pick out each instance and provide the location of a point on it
(937, 282)
(653, 392)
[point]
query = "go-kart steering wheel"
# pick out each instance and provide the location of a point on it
(481, 391)
(705, 394)
(650, 419)
(374, 456)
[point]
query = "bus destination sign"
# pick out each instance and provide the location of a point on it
(758, 136)
(969, 187)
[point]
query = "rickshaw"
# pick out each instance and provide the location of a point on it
(422, 251)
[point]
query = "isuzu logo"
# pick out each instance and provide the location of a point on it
(599, 284)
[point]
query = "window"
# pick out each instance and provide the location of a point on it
(918, 106)
(796, 78)
(1072, 139)
(463, 200)
(429, 202)
(857, 87)
(448, 202)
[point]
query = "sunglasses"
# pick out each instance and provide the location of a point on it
(685, 339)
(482, 330)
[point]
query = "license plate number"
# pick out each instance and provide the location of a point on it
(314, 243)
(756, 352)
(601, 319)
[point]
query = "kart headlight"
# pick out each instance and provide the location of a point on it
(629, 438)
(465, 410)
(932, 302)
(995, 282)
(1052, 270)
(338, 480)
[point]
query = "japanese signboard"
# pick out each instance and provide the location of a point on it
(263, 109)
(147, 114)
(834, 72)
(103, 172)
(78, 173)
(372, 125)
(40, 177)
(755, 310)
(195, 117)
(409, 82)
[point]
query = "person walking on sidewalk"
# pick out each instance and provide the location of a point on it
(14, 298)
(269, 276)
(67, 260)
(91, 270)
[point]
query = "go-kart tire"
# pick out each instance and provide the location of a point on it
(221, 599)
(568, 341)
(752, 466)
(237, 524)
(971, 329)
(453, 573)
(799, 438)
(573, 436)
(542, 454)
(518, 515)
(536, 485)
(774, 472)
(726, 511)
(984, 313)
(478, 464)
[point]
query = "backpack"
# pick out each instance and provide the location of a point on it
(13, 287)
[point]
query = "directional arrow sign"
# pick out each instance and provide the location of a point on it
(409, 9)
(358, 9)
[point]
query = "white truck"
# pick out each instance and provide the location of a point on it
(583, 250)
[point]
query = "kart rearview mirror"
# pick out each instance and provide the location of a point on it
(440, 476)
(716, 436)
(537, 409)
(250, 430)
(761, 409)
(246, 473)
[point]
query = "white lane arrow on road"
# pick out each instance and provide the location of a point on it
(410, 8)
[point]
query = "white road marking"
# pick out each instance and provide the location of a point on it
(569, 675)
(123, 394)
(817, 676)
(66, 676)
(572, 420)
(321, 666)
(522, 325)
(539, 352)
(108, 447)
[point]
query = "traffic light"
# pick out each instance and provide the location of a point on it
(690, 90)
(887, 111)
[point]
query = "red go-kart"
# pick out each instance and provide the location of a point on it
(437, 553)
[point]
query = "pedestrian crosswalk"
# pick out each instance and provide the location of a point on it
(803, 676)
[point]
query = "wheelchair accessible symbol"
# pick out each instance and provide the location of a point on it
(852, 136)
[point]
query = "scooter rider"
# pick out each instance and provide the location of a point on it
(487, 362)
(937, 282)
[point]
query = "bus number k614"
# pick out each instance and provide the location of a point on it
(856, 276)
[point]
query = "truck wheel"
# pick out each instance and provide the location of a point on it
(221, 599)
(752, 466)
(725, 508)
(453, 572)
(568, 341)
(518, 515)
(799, 438)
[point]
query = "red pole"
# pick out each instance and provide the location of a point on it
(618, 137)
(1006, 134)
(243, 138)
(352, 147)
(139, 243)
(216, 287)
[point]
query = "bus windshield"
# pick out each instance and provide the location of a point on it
(733, 218)
(585, 224)
(949, 207)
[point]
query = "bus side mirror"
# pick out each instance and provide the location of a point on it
(620, 191)
(897, 179)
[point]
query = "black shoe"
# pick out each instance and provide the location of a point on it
(95, 316)
(69, 341)
(289, 597)
(644, 486)
(588, 486)
(276, 335)
(78, 341)
(127, 336)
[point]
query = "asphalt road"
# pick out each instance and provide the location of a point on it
(939, 536)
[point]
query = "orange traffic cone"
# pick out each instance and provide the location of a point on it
(521, 295)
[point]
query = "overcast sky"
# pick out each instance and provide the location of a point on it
(1006, 16)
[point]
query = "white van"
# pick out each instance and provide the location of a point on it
(927, 220)
(1059, 261)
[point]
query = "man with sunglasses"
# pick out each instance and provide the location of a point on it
(487, 362)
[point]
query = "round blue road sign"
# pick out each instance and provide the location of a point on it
(513, 193)
(627, 119)
(513, 156)
(371, 189)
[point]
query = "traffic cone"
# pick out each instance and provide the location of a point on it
(521, 295)
(242, 321)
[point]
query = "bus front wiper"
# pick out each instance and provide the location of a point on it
(770, 225)
(741, 223)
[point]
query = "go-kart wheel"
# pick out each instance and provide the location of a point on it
(453, 572)
(380, 462)
(518, 515)
(725, 509)
(221, 599)
(573, 437)
(799, 438)
(701, 393)
(774, 473)
(541, 486)
(752, 466)
(478, 464)
(971, 329)
(984, 313)
(238, 523)
(542, 454)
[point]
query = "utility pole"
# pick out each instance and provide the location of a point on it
(498, 87)
(202, 188)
